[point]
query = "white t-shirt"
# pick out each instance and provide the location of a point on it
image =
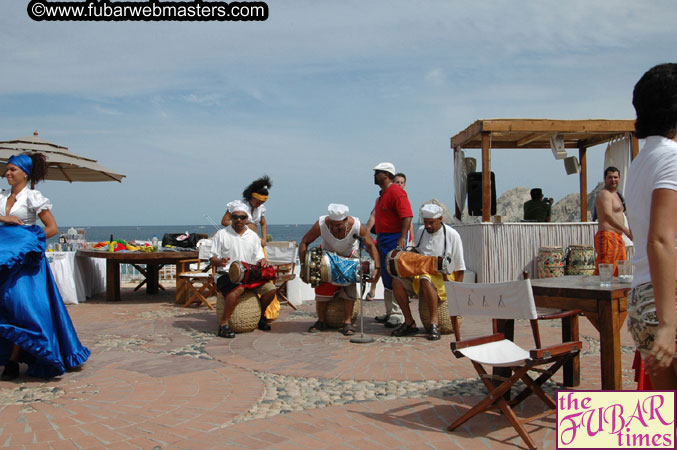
(254, 214)
(238, 247)
(29, 204)
(654, 168)
(348, 247)
(433, 245)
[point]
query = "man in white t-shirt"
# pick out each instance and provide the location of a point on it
(239, 243)
(434, 238)
(339, 233)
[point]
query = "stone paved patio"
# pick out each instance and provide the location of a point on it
(159, 378)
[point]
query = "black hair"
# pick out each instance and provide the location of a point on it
(655, 102)
(536, 193)
(39, 169)
(259, 186)
(400, 174)
(610, 169)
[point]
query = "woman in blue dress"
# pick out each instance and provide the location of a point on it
(35, 327)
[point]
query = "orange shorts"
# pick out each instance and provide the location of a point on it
(609, 247)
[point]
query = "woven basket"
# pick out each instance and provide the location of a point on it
(335, 312)
(246, 315)
(442, 314)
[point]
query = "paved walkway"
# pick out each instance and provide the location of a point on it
(159, 378)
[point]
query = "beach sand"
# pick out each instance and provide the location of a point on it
(159, 378)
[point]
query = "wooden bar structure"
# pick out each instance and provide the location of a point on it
(488, 134)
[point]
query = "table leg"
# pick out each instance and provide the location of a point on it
(507, 327)
(152, 278)
(112, 280)
(610, 344)
(572, 368)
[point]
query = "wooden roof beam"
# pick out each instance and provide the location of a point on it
(529, 139)
(557, 126)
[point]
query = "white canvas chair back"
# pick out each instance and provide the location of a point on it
(508, 300)
(281, 252)
(204, 247)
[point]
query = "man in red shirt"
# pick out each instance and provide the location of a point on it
(393, 217)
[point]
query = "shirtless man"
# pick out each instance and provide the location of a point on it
(609, 245)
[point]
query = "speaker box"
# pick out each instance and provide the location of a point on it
(475, 194)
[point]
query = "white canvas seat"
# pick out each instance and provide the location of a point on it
(504, 353)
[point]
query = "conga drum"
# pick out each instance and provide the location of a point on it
(404, 264)
(550, 262)
(580, 260)
(327, 267)
(245, 273)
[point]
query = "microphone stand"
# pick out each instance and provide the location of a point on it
(361, 339)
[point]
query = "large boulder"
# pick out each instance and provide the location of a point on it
(447, 217)
(510, 205)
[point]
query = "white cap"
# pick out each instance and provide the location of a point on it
(337, 211)
(386, 167)
(237, 205)
(431, 211)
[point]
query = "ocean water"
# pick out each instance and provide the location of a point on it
(293, 232)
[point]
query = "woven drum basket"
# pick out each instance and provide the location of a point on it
(246, 315)
(335, 312)
(442, 314)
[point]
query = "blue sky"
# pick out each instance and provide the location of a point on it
(314, 97)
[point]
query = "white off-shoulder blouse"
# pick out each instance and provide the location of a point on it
(29, 204)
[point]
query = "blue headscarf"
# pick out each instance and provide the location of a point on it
(23, 162)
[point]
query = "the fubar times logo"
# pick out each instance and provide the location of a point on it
(615, 419)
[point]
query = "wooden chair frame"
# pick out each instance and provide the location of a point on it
(186, 285)
(544, 360)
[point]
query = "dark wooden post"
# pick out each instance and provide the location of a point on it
(582, 156)
(635, 147)
(486, 177)
(459, 211)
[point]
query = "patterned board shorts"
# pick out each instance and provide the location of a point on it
(642, 318)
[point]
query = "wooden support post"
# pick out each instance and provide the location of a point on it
(459, 211)
(486, 177)
(635, 147)
(582, 156)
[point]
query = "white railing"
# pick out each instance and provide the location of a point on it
(128, 273)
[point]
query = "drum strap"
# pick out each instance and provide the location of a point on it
(444, 230)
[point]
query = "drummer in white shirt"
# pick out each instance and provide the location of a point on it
(238, 242)
(338, 231)
(434, 238)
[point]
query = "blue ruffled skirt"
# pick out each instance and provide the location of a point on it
(32, 313)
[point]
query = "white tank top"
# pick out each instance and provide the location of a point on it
(348, 247)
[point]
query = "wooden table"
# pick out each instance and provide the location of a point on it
(153, 262)
(605, 307)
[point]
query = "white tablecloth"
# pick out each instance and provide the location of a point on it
(77, 277)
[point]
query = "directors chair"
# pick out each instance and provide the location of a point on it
(197, 285)
(282, 255)
(503, 303)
